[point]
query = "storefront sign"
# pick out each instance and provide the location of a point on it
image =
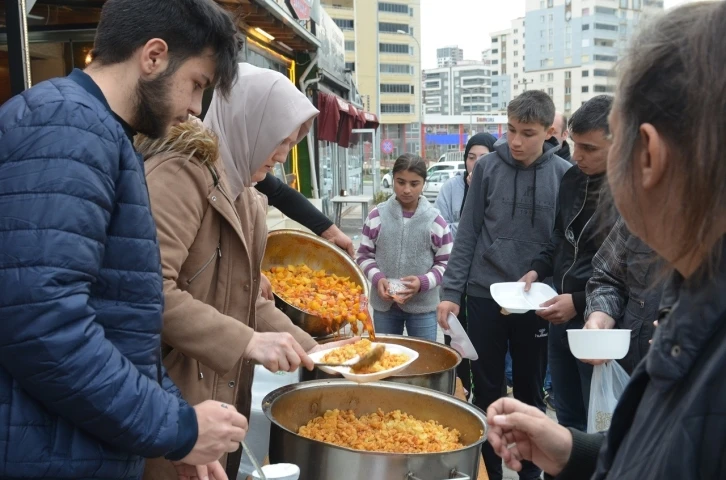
(300, 8)
(331, 56)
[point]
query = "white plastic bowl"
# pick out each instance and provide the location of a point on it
(512, 297)
(599, 344)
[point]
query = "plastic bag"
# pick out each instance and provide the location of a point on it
(608, 383)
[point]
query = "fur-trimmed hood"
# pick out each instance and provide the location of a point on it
(191, 139)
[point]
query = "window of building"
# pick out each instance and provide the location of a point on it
(602, 42)
(516, 75)
(396, 68)
(495, 94)
(541, 33)
(623, 3)
(516, 87)
(495, 84)
(396, 88)
(542, 77)
(552, 32)
(402, 48)
(516, 30)
(495, 105)
(550, 77)
(550, 47)
(604, 88)
(393, 7)
(550, 91)
(606, 26)
(551, 18)
(349, 45)
(550, 3)
(387, 27)
(606, 10)
(601, 72)
(542, 49)
(568, 75)
(541, 4)
(495, 62)
(568, 90)
(495, 73)
(543, 62)
(541, 19)
(350, 66)
(516, 42)
(396, 108)
(585, 26)
(516, 64)
(495, 40)
(605, 58)
(585, 89)
(586, 73)
(585, 12)
(495, 50)
(343, 23)
(636, 5)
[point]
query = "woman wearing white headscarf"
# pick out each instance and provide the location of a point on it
(212, 232)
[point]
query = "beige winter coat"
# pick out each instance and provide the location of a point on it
(211, 252)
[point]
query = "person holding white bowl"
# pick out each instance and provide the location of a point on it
(667, 173)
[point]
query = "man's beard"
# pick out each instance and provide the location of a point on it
(153, 112)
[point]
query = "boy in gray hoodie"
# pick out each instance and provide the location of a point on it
(507, 220)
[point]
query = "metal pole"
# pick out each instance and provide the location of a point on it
(18, 53)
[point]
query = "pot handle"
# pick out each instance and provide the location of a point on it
(453, 474)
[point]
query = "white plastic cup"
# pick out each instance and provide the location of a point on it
(279, 471)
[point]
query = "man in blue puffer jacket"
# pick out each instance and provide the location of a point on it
(82, 390)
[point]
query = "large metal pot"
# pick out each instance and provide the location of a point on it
(290, 407)
(435, 367)
(293, 247)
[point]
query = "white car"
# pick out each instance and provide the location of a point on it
(387, 181)
(436, 180)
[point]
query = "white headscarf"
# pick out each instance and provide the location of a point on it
(263, 109)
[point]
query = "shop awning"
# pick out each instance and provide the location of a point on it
(273, 19)
(338, 118)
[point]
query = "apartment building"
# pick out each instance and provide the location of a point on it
(382, 43)
(567, 48)
(457, 90)
(449, 56)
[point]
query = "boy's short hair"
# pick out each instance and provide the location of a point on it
(592, 115)
(532, 106)
(187, 26)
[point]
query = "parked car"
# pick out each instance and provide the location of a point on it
(452, 157)
(387, 180)
(436, 180)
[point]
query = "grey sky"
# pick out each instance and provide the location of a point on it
(467, 23)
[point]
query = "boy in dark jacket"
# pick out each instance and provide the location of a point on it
(83, 393)
(567, 258)
(508, 217)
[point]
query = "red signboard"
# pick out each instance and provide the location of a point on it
(301, 8)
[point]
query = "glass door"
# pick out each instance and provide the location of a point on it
(364, 170)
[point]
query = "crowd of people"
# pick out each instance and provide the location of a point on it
(131, 238)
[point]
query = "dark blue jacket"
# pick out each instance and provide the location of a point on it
(80, 295)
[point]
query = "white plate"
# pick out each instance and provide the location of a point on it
(368, 377)
(512, 297)
(459, 339)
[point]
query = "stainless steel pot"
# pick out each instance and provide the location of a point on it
(290, 407)
(435, 367)
(293, 247)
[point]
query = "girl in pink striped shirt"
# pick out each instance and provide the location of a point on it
(405, 239)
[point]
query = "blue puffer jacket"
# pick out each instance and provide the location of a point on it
(80, 295)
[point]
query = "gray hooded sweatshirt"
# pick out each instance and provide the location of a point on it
(507, 220)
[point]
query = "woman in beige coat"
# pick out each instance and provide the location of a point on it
(212, 232)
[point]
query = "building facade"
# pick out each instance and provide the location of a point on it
(449, 56)
(382, 43)
(566, 48)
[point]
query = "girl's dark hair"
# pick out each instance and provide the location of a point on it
(412, 163)
(673, 78)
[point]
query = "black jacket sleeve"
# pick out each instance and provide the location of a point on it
(293, 204)
(544, 263)
(583, 459)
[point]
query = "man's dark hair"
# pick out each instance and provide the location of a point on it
(532, 106)
(592, 115)
(412, 163)
(187, 26)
